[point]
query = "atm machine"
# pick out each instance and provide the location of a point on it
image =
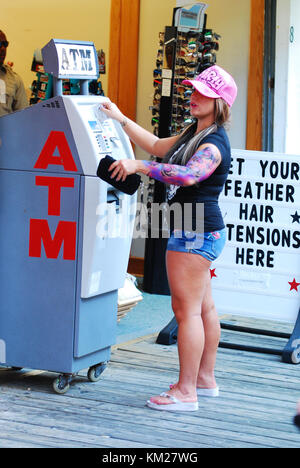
(65, 234)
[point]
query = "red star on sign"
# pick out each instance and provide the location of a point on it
(294, 285)
(212, 273)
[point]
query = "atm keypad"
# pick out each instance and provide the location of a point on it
(102, 142)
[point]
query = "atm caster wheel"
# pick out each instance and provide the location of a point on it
(94, 372)
(62, 383)
(11, 369)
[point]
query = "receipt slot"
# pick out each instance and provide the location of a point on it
(65, 234)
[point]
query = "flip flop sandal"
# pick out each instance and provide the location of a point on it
(208, 392)
(176, 404)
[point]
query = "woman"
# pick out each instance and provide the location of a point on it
(195, 166)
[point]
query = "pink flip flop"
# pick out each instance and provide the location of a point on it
(176, 404)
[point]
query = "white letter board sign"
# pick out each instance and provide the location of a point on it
(258, 272)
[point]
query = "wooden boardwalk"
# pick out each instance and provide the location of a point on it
(255, 408)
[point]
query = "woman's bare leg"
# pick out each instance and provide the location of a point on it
(188, 277)
(212, 331)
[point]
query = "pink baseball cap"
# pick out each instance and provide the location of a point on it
(214, 82)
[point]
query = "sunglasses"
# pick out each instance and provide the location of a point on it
(4, 44)
(179, 119)
(180, 89)
(187, 39)
(178, 113)
(155, 129)
(186, 63)
(208, 36)
(193, 54)
(157, 73)
(192, 46)
(188, 121)
(181, 73)
(204, 66)
(181, 100)
(182, 106)
(211, 46)
(209, 57)
(184, 97)
(182, 52)
(175, 129)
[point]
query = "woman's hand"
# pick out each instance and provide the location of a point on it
(121, 169)
(112, 111)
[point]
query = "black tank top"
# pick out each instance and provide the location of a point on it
(208, 191)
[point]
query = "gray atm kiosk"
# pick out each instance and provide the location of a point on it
(65, 235)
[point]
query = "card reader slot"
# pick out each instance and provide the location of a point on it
(112, 197)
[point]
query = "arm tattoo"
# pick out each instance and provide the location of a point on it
(201, 165)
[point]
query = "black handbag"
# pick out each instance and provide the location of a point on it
(129, 185)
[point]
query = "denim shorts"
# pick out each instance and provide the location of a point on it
(207, 244)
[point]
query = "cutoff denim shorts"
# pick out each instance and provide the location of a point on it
(207, 244)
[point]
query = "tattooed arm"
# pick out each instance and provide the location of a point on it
(202, 164)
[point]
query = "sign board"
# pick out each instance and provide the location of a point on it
(190, 18)
(258, 272)
(76, 59)
(71, 59)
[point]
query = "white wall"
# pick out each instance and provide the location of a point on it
(231, 19)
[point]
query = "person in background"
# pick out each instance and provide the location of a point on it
(195, 166)
(12, 91)
(297, 416)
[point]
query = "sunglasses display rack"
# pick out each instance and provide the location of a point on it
(41, 87)
(181, 56)
(194, 53)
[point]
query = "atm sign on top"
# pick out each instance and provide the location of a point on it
(76, 59)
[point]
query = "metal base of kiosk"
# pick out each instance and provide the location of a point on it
(61, 383)
(290, 354)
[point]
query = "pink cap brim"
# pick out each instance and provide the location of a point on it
(201, 88)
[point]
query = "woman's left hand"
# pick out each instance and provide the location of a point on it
(121, 169)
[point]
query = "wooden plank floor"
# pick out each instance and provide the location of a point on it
(255, 408)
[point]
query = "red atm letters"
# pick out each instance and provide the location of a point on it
(39, 228)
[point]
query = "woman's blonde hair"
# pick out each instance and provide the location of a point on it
(222, 113)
